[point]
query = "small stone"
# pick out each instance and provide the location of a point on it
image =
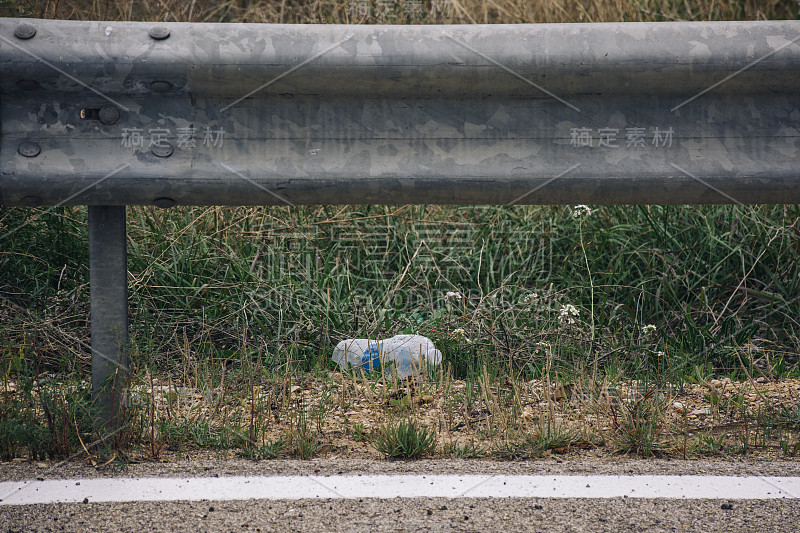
(727, 506)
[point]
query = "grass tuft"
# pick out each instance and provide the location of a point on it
(405, 439)
(640, 426)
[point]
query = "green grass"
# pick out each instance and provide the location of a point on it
(271, 450)
(469, 450)
(53, 418)
(556, 438)
(406, 439)
(639, 426)
(284, 285)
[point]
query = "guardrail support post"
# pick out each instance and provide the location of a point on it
(109, 311)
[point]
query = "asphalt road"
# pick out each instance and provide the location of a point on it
(408, 514)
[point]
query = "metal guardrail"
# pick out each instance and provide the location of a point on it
(109, 114)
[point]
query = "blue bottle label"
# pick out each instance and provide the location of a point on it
(371, 358)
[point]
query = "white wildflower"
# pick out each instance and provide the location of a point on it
(531, 297)
(460, 333)
(451, 296)
(649, 329)
(580, 211)
(567, 313)
(659, 354)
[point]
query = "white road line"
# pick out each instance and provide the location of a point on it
(396, 486)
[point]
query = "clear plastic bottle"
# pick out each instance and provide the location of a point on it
(409, 355)
(403, 362)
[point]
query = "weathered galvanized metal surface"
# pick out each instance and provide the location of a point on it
(108, 270)
(244, 114)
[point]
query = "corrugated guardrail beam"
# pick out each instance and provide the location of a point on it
(114, 113)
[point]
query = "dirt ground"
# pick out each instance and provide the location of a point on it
(340, 416)
(718, 417)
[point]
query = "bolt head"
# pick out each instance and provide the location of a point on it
(108, 114)
(24, 31)
(29, 149)
(160, 86)
(159, 33)
(163, 149)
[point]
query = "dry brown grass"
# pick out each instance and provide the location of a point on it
(502, 419)
(405, 11)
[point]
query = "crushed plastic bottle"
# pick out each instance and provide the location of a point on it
(371, 359)
(409, 355)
